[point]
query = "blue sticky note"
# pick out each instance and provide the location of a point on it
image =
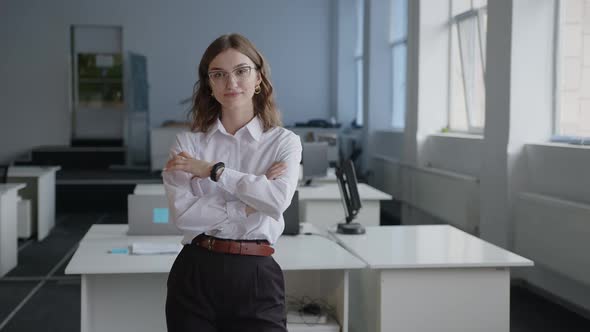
(123, 251)
(160, 215)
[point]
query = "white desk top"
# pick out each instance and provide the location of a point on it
(7, 187)
(330, 191)
(31, 171)
(304, 252)
(149, 189)
(427, 246)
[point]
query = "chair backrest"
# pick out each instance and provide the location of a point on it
(3, 173)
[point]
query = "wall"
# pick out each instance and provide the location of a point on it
(295, 36)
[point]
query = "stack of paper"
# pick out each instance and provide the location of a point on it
(153, 248)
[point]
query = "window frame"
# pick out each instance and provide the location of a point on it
(555, 124)
(359, 63)
(477, 14)
(396, 43)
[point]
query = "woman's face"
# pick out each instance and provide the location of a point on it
(233, 78)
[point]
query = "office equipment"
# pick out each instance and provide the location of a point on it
(161, 139)
(350, 198)
(291, 216)
(148, 214)
(329, 135)
(315, 160)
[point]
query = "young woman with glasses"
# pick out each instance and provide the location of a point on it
(228, 181)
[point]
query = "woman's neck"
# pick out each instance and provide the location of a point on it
(233, 120)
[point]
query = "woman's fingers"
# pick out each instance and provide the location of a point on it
(274, 174)
(277, 167)
(184, 154)
(276, 170)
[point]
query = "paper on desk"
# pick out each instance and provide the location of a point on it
(152, 248)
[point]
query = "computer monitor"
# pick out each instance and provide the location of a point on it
(351, 200)
(315, 160)
(291, 216)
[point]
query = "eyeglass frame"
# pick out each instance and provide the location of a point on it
(226, 75)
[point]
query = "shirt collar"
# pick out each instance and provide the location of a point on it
(215, 127)
(254, 127)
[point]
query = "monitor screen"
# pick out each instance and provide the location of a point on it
(347, 183)
(315, 159)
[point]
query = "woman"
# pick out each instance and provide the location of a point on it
(228, 182)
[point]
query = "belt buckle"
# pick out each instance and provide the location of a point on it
(210, 243)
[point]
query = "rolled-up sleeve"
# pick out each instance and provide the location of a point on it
(271, 197)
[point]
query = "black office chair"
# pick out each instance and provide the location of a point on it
(3, 173)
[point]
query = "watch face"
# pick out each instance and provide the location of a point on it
(216, 171)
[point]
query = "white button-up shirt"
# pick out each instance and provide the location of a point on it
(218, 208)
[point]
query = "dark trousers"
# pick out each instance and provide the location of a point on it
(209, 291)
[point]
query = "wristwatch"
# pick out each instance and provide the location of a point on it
(216, 171)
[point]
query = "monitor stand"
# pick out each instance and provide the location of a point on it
(350, 228)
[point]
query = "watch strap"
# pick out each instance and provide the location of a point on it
(215, 169)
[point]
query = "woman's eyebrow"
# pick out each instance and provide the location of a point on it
(236, 66)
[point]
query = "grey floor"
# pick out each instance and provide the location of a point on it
(37, 296)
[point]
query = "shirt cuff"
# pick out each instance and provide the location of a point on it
(229, 180)
(236, 210)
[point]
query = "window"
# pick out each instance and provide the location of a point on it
(398, 42)
(99, 80)
(572, 106)
(467, 66)
(358, 60)
(97, 67)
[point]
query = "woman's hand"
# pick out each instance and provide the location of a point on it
(184, 162)
(277, 169)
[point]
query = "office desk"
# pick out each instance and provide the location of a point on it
(40, 190)
(8, 226)
(322, 204)
(128, 292)
(429, 278)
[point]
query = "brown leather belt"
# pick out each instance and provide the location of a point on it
(236, 247)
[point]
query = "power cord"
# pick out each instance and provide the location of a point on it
(311, 310)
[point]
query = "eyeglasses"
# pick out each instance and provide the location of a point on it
(220, 76)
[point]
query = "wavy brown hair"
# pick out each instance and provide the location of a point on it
(205, 109)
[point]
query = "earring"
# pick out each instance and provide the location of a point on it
(257, 89)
